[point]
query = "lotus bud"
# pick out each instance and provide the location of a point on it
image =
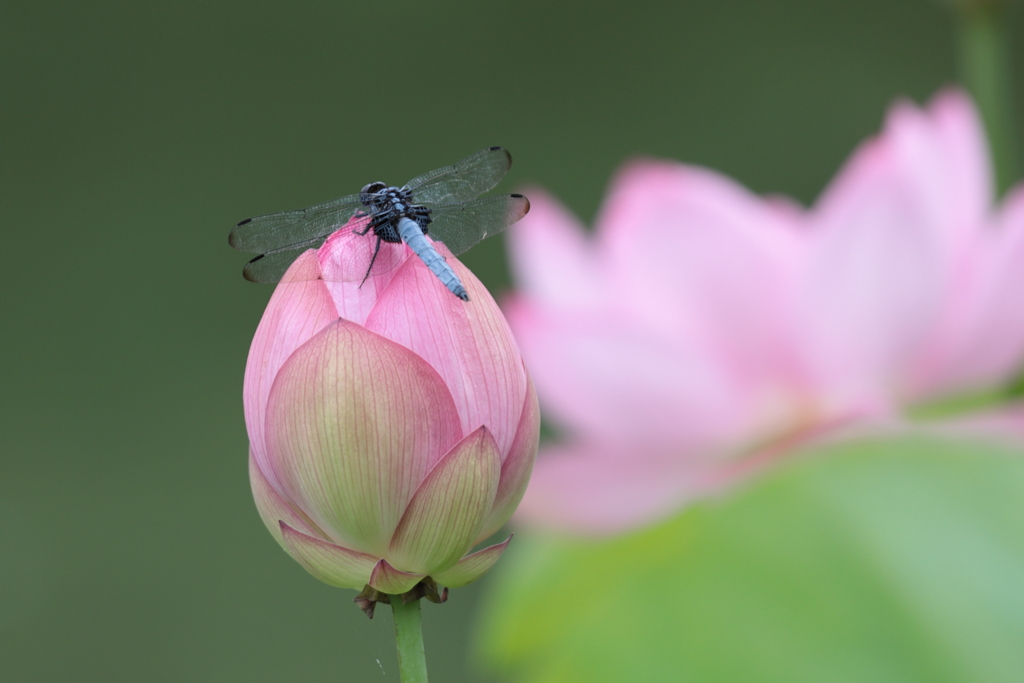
(392, 427)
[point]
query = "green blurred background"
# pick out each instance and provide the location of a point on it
(134, 135)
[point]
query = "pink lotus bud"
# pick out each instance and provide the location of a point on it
(392, 426)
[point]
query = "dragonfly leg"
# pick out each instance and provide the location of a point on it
(369, 224)
(376, 250)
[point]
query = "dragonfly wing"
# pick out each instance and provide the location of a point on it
(463, 181)
(290, 229)
(460, 226)
(271, 266)
(352, 256)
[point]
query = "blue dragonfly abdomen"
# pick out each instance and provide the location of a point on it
(413, 235)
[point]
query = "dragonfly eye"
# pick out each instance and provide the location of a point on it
(369, 190)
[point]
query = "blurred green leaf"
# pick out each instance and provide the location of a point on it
(888, 559)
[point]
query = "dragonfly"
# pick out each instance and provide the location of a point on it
(444, 204)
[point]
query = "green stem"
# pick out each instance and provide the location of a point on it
(412, 662)
(984, 64)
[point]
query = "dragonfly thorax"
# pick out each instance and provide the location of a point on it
(386, 205)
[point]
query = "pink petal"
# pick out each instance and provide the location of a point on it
(471, 567)
(299, 308)
(587, 489)
(690, 247)
(450, 507)
(592, 489)
(880, 270)
(516, 469)
(948, 137)
(389, 580)
(355, 298)
(274, 509)
(931, 164)
(468, 343)
(958, 126)
(551, 257)
(615, 380)
(332, 564)
(354, 423)
(988, 346)
(892, 261)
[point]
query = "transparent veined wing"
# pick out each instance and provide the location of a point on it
(463, 181)
(353, 251)
(278, 231)
(460, 226)
(270, 267)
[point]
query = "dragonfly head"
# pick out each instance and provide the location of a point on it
(366, 195)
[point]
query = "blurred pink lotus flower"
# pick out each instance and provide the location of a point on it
(702, 327)
(392, 426)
